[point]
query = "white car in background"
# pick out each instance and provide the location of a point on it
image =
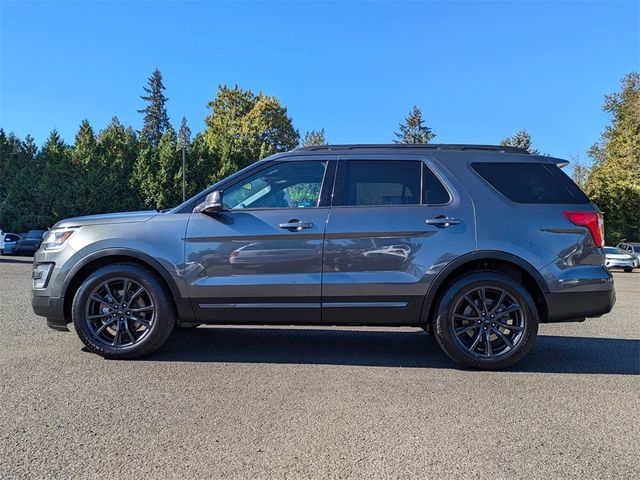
(633, 249)
(8, 243)
(616, 258)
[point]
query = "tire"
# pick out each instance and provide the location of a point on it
(628, 269)
(462, 325)
(105, 324)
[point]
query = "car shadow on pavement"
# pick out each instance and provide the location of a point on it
(4, 259)
(412, 349)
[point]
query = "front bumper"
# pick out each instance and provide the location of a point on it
(50, 307)
(619, 263)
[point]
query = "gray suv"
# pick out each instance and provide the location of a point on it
(476, 244)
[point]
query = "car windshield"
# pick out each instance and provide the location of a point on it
(35, 234)
(636, 248)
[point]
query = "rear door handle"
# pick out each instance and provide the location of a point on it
(443, 221)
(295, 225)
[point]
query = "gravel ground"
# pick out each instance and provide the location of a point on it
(220, 402)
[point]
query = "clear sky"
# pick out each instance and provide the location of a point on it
(479, 70)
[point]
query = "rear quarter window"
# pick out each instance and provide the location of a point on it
(531, 182)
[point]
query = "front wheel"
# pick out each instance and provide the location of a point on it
(486, 320)
(122, 311)
(628, 269)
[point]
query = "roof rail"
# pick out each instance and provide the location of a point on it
(420, 146)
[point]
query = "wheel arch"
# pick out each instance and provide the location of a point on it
(100, 258)
(492, 260)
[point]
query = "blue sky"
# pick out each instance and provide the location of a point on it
(479, 70)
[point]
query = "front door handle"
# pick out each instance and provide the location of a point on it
(296, 225)
(443, 221)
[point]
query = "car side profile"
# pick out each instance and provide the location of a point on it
(9, 243)
(615, 257)
(30, 243)
(633, 249)
(476, 244)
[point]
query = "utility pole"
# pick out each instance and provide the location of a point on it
(183, 172)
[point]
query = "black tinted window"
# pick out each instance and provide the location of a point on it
(381, 183)
(531, 182)
(434, 192)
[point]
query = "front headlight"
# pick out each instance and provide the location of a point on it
(56, 239)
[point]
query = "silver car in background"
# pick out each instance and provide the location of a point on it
(633, 249)
(617, 258)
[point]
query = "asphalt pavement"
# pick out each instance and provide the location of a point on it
(262, 403)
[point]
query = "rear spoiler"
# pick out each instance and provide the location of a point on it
(558, 162)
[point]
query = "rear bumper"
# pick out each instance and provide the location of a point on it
(576, 306)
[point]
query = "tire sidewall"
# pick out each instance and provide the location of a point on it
(164, 315)
(444, 326)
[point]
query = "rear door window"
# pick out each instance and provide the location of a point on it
(378, 182)
(541, 183)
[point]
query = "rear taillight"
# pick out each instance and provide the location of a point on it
(592, 220)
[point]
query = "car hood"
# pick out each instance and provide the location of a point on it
(107, 218)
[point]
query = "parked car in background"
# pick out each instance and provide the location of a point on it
(431, 236)
(8, 243)
(633, 249)
(616, 258)
(30, 243)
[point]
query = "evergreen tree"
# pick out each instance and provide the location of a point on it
(413, 130)
(117, 146)
(184, 139)
(86, 157)
(169, 177)
(157, 172)
(156, 119)
(313, 138)
(184, 134)
(20, 202)
(202, 165)
(614, 181)
(521, 139)
(60, 176)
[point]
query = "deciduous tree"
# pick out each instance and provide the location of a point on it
(614, 181)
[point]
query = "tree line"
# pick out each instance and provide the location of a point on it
(119, 168)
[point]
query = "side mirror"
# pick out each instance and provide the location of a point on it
(212, 203)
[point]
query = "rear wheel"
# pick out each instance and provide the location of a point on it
(486, 320)
(628, 269)
(122, 311)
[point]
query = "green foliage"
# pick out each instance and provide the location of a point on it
(614, 180)
(118, 146)
(156, 119)
(413, 130)
(20, 202)
(202, 165)
(60, 175)
(313, 138)
(244, 127)
(520, 139)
